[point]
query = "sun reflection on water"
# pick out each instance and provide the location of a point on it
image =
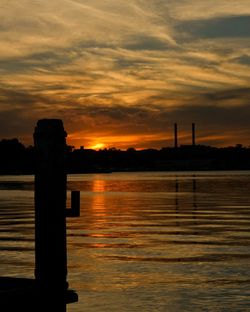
(150, 242)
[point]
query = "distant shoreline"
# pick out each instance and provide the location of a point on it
(16, 159)
(130, 171)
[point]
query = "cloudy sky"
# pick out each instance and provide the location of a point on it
(121, 73)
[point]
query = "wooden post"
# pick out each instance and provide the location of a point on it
(74, 211)
(49, 291)
(50, 210)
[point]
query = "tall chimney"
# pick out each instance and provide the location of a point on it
(175, 136)
(193, 134)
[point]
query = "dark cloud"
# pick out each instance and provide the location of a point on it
(123, 63)
(209, 110)
(211, 119)
(231, 97)
(214, 116)
(233, 94)
(20, 110)
(15, 123)
(16, 98)
(219, 27)
(48, 60)
(244, 59)
(147, 43)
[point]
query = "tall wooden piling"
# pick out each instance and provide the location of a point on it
(49, 291)
(50, 209)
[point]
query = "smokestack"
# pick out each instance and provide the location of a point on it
(193, 134)
(175, 136)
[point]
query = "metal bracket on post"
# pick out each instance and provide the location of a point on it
(74, 211)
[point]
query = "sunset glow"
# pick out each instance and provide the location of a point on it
(97, 146)
(115, 70)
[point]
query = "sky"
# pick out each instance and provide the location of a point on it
(121, 73)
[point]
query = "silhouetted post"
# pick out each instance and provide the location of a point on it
(50, 210)
(193, 134)
(175, 135)
(74, 211)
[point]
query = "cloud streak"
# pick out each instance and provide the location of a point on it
(126, 71)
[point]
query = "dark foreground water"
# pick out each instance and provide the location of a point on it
(144, 241)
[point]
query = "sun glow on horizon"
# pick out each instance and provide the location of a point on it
(158, 140)
(98, 146)
(118, 84)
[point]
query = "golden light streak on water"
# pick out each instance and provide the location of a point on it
(144, 241)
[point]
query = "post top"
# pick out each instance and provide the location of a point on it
(50, 126)
(50, 123)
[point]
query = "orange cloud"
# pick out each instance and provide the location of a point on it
(121, 73)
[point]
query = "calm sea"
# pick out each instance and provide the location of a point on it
(144, 241)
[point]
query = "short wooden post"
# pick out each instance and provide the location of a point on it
(50, 209)
(74, 211)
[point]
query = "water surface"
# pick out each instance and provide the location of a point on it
(144, 241)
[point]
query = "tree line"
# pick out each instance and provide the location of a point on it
(15, 158)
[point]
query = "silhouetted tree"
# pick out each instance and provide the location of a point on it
(15, 158)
